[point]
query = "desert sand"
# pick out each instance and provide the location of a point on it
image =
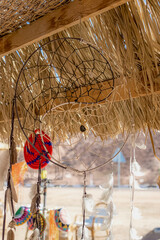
(146, 200)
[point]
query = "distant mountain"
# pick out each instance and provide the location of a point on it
(91, 152)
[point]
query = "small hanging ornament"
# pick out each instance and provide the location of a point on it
(32, 156)
(140, 139)
(11, 231)
(22, 216)
(11, 234)
(82, 128)
(62, 219)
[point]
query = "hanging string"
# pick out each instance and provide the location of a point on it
(132, 176)
(132, 180)
(83, 206)
(80, 32)
(80, 28)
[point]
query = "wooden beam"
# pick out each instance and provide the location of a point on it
(54, 22)
(123, 90)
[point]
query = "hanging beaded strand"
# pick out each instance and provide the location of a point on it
(38, 221)
(9, 188)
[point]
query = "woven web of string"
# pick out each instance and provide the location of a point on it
(17, 14)
(64, 80)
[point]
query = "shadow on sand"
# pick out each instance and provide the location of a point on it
(152, 236)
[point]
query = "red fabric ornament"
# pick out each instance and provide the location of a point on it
(32, 156)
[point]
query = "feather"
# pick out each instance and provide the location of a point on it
(13, 158)
(9, 199)
(88, 203)
(35, 199)
(108, 218)
(4, 163)
(33, 191)
(35, 235)
(14, 194)
(107, 195)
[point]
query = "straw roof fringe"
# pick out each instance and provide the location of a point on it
(129, 38)
(17, 14)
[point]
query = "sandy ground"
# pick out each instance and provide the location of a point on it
(146, 200)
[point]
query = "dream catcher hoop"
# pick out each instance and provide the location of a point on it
(62, 75)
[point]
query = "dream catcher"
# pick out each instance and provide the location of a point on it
(60, 102)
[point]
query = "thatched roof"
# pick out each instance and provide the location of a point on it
(17, 14)
(129, 39)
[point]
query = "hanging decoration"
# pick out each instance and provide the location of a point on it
(53, 230)
(73, 82)
(37, 221)
(133, 168)
(18, 172)
(62, 219)
(35, 151)
(22, 216)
